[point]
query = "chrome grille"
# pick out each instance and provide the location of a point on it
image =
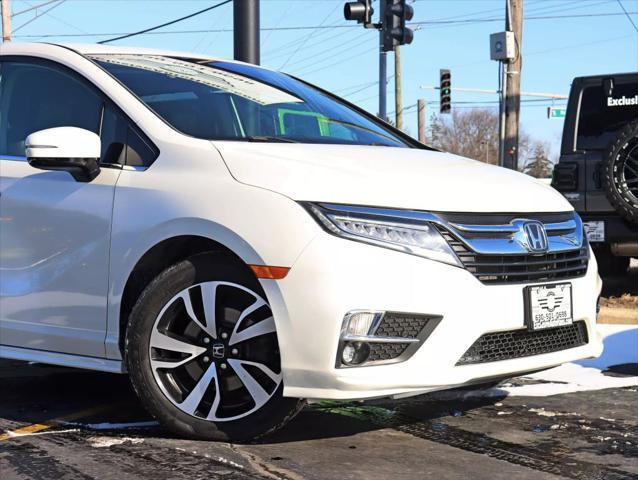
(499, 269)
(488, 247)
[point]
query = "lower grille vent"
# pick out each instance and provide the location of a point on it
(493, 347)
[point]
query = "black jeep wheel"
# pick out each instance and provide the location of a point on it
(620, 173)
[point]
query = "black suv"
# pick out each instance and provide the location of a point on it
(598, 167)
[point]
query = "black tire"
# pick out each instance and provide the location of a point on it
(620, 173)
(609, 265)
(207, 267)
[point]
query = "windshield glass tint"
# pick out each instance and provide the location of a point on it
(226, 101)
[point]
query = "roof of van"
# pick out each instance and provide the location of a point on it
(98, 49)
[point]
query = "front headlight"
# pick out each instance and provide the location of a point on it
(377, 227)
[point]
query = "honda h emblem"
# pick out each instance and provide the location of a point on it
(219, 350)
(536, 236)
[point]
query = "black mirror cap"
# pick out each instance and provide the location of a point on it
(81, 169)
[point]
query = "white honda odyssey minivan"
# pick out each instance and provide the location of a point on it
(237, 240)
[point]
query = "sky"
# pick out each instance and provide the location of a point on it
(589, 37)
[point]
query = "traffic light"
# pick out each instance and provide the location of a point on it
(361, 11)
(446, 91)
(395, 32)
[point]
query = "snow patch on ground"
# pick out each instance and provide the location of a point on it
(32, 434)
(116, 426)
(106, 442)
(621, 347)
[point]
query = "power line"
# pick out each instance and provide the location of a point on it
(58, 19)
(327, 52)
(33, 8)
(541, 17)
(306, 27)
(628, 16)
(308, 37)
(304, 71)
(172, 22)
(38, 15)
(319, 40)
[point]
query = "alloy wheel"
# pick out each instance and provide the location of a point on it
(214, 353)
(627, 181)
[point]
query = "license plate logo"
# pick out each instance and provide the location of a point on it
(548, 306)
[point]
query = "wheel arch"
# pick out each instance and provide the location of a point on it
(137, 257)
(154, 261)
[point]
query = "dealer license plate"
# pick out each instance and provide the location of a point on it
(595, 231)
(548, 306)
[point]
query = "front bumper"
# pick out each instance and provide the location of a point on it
(334, 276)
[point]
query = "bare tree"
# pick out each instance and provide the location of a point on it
(471, 133)
(538, 164)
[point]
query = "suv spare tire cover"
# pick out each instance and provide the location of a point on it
(620, 173)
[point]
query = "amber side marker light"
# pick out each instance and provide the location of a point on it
(271, 273)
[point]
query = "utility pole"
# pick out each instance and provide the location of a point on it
(514, 23)
(246, 31)
(398, 94)
(501, 113)
(421, 110)
(383, 69)
(6, 21)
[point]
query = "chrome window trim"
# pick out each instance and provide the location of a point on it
(13, 158)
(117, 166)
(132, 168)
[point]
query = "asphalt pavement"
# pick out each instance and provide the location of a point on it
(71, 424)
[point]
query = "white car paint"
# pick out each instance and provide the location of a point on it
(364, 175)
(48, 143)
(62, 288)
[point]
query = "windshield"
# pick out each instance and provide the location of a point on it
(226, 101)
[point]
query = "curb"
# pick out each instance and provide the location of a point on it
(618, 316)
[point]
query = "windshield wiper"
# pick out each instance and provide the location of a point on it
(267, 138)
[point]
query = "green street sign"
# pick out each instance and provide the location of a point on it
(556, 112)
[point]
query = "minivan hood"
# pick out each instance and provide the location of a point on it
(387, 177)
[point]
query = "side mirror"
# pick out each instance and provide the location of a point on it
(71, 149)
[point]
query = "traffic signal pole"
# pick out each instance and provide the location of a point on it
(246, 31)
(421, 109)
(398, 93)
(393, 33)
(502, 115)
(383, 71)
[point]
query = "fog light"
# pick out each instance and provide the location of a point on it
(361, 324)
(355, 353)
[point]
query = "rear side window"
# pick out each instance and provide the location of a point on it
(37, 97)
(602, 116)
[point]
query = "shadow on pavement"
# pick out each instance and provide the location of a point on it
(34, 393)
